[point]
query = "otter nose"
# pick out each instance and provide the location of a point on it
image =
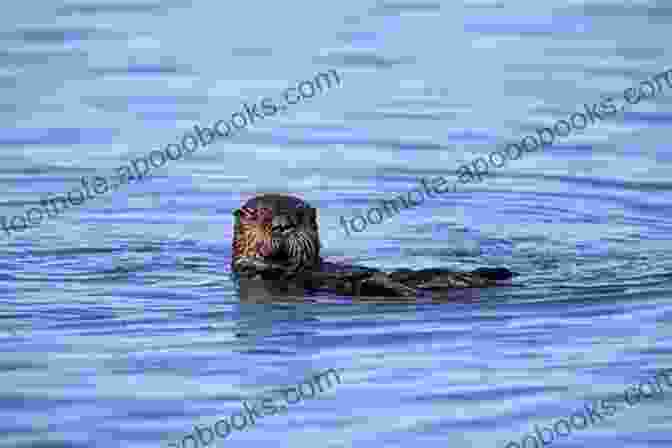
(281, 224)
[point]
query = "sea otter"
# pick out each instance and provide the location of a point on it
(276, 241)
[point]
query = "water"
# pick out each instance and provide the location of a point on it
(121, 325)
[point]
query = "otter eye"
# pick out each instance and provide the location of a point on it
(266, 213)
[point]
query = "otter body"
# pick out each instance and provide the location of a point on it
(276, 248)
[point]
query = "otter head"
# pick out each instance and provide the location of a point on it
(282, 228)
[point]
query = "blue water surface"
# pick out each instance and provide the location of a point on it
(120, 325)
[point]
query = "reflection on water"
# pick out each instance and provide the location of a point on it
(122, 325)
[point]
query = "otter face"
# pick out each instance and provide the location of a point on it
(280, 228)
